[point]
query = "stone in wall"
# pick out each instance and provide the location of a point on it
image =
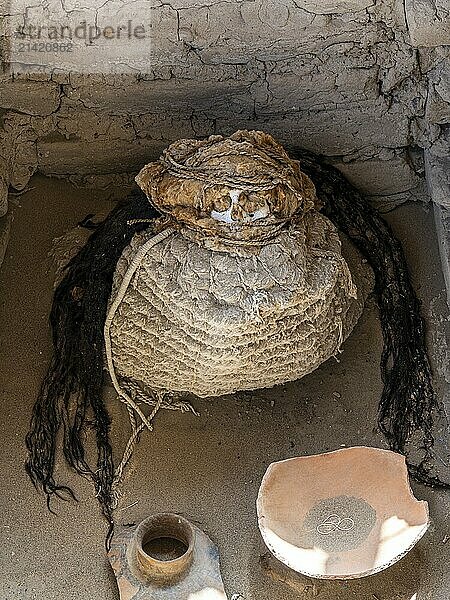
(442, 220)
(428, 22)
(437, 162)
(327, 7)
(30, 96)
(18, 159)
(386, 175)
(61, 158)
(432, 132)
(5, 232)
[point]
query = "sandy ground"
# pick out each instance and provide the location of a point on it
(207, 468)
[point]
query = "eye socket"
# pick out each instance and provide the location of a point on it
(218, 198)
(250, 203)
(256, 203)
(221, 205)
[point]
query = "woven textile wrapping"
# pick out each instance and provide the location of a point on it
(210, 313)
(210, 323)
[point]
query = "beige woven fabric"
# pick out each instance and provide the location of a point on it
(209, 322)
(247, 288)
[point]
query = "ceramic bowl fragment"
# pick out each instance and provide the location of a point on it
(340, 515)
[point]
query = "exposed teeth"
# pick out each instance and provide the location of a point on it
(225, 216)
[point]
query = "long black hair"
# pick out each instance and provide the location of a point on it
(408, 401)
(72, 388)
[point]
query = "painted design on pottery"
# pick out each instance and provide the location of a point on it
(338, 523)
(334, 522)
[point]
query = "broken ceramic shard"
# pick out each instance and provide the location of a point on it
(191, 569)
(340, 515)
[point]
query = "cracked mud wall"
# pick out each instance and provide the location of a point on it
(365, 82)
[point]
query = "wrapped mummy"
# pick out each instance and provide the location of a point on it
(245, 285)
(225, 273)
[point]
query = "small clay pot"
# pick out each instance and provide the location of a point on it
(340, 515)
(194, 573)
(149, 568)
